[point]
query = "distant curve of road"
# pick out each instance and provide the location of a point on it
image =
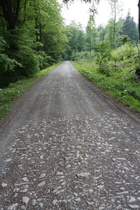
(67, 146)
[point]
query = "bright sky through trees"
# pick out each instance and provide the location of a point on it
(79, 11)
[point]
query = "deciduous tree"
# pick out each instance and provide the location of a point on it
(97, 1)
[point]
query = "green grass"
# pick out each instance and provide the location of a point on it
(121, 85)
(9, 96)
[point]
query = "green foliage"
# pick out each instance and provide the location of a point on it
(130, 28)
(7, 65)
(17, 59)
(7, 73)
(78, 55)
(91, 36)
(32, 38)
(126, 56)
(111, 58)
(137, 57)
(120, 84)
(5, 61)
(29, 60)
(76, 38)
(50, 30)
(124, 39)
(103, 53)
(101, 33)
(43, 59)
(113, 30)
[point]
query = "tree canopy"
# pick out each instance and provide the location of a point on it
(97, 1)
(32, 36)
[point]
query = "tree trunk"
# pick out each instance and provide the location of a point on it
(10, 12)
(36, 27)
(139, 18)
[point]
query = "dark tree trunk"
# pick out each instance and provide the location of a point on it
(139, 18)
(36, 27)
(10, 12)
(40, 32)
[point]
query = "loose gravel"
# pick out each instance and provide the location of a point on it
(68, 146)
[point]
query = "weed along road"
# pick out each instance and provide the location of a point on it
(67, 146)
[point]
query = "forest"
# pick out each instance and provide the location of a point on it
(33, 36)
(109, 55)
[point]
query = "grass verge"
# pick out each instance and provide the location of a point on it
(121, 85)
(9, 96)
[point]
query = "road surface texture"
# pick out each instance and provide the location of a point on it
(68, 146)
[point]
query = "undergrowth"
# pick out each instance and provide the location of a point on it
(9, 96)
(121, 84)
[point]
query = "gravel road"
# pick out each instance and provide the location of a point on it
(67, 146)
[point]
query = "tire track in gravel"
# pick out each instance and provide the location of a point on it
(66, 147)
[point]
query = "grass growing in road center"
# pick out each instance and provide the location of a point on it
(9, 96)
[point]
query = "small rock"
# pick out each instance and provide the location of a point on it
(132, 199)
(41, 184)
(90, 203)
(25, 199)
(42, 175)
(77, 199)
(134, 206)
(90, 190)
(83, 175)
(4, 185)
(16, 194)
(13, 206)
(41, 157)
(8, 160)
(59, 173)
(41, 205)
(34, 202)
(23, 208)
(25, 179)
(54, 202)
(24, 190)
(100, 186)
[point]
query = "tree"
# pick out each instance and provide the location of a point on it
(91, 34)
(50, 33)
(76, 38)
(97, 1)
(101, 32)
(10, 11)
(139, 18)
(103, 53)
(130, 28)
(32, 34)
(115, 10)
(112, 35)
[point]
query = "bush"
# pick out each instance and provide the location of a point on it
(17, 58)
(75, 56)
(103, 55)
(104, 68)
(7, 65)
(29, 60)
(7, 70)
(43, 59)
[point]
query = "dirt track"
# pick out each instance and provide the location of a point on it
(67, 146)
